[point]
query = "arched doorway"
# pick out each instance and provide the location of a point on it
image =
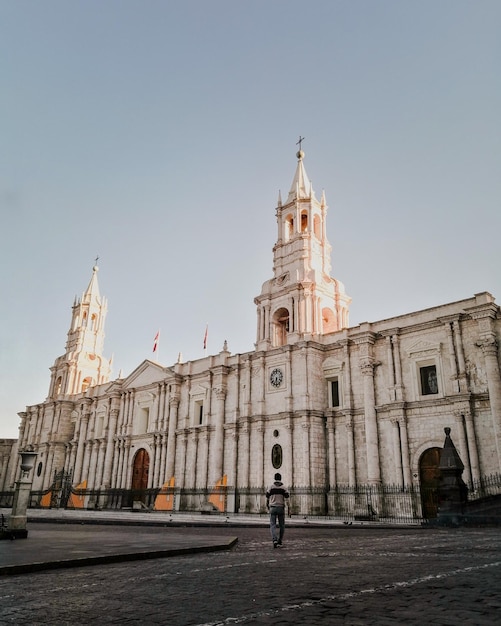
(140, 470)
(429, 478)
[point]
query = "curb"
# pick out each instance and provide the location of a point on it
(112, 558)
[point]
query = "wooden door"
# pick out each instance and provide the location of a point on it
(140, 472)
(429, 478)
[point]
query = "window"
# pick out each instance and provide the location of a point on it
(276, 456)
(199, 412)
(334, 395)
(429, 381)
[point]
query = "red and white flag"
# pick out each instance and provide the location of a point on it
(155, 341)
(205, 336)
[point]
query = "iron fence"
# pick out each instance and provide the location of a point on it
(388, 503)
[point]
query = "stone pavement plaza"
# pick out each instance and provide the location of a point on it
(322, 575)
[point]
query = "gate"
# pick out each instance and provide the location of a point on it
(60, 490)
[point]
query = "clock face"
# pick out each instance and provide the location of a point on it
(276, 377)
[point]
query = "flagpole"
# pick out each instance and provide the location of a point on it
(156, 345)
(205, 339)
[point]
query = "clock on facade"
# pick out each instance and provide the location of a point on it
(276, 377)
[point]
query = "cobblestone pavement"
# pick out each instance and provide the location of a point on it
(320, 576)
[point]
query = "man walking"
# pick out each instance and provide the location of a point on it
(276, 496)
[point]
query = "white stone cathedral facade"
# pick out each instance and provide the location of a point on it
(326, 404)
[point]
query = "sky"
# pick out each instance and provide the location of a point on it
(157, 134)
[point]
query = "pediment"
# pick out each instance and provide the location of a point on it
(423, 348)
(332, 366)
(145, 374)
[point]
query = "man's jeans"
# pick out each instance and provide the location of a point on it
(277, 522)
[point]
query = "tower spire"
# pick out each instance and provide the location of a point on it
(83, 364)
(302, 300)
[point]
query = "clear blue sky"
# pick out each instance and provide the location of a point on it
(157, 134)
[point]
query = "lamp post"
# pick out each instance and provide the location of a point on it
(17, 521)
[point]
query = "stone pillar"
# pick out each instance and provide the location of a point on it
(17, 520)
(398, 368)
(397, 453)
(94, 447)
(244, 457)
(463, 446)
(260, 454)
(472, 446)
(112, 424)
(125, 463)
(306, 466)
(371, 433)
(352, 473)
(331, 430)
(84, 422)
(490, 350)
(404, 442)
(288, 450)
(218, 446)
(171, 441)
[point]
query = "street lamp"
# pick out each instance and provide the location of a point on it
(17, 522)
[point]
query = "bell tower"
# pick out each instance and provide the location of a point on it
(302, 300)
(83, 365)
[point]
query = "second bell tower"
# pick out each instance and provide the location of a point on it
(302, 300)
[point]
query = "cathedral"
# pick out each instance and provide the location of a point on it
(329, 406)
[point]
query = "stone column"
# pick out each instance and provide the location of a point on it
(244, 457)
(93, 464)
(99, 464)
(171, 441)
(490, 350)
(84, 422)
(260, 454)
(163, 452)
(352, 472)
(398, 368)
(112, 424)
(331, 434)
(404, 442)
(305, 425)
(289, 449)
(183, 436)
(218, 446)
(397, 453)
(125, 463)
(472, 446)
(371, 434)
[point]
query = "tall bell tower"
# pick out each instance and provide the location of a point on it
(302, 300)
(83, 364)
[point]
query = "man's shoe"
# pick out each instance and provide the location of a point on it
(275, 544)
(279, 543)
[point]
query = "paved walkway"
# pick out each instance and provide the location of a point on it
(69, 538)
(78, 540)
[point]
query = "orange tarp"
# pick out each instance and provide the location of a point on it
(165, 498)
(218, 495)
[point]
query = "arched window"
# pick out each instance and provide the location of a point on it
(316, 227)
(86, 383)
(93, 321)
(289, 227)
(59, 383)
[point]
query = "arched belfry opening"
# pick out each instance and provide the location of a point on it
(281, 321)
(329, 324)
